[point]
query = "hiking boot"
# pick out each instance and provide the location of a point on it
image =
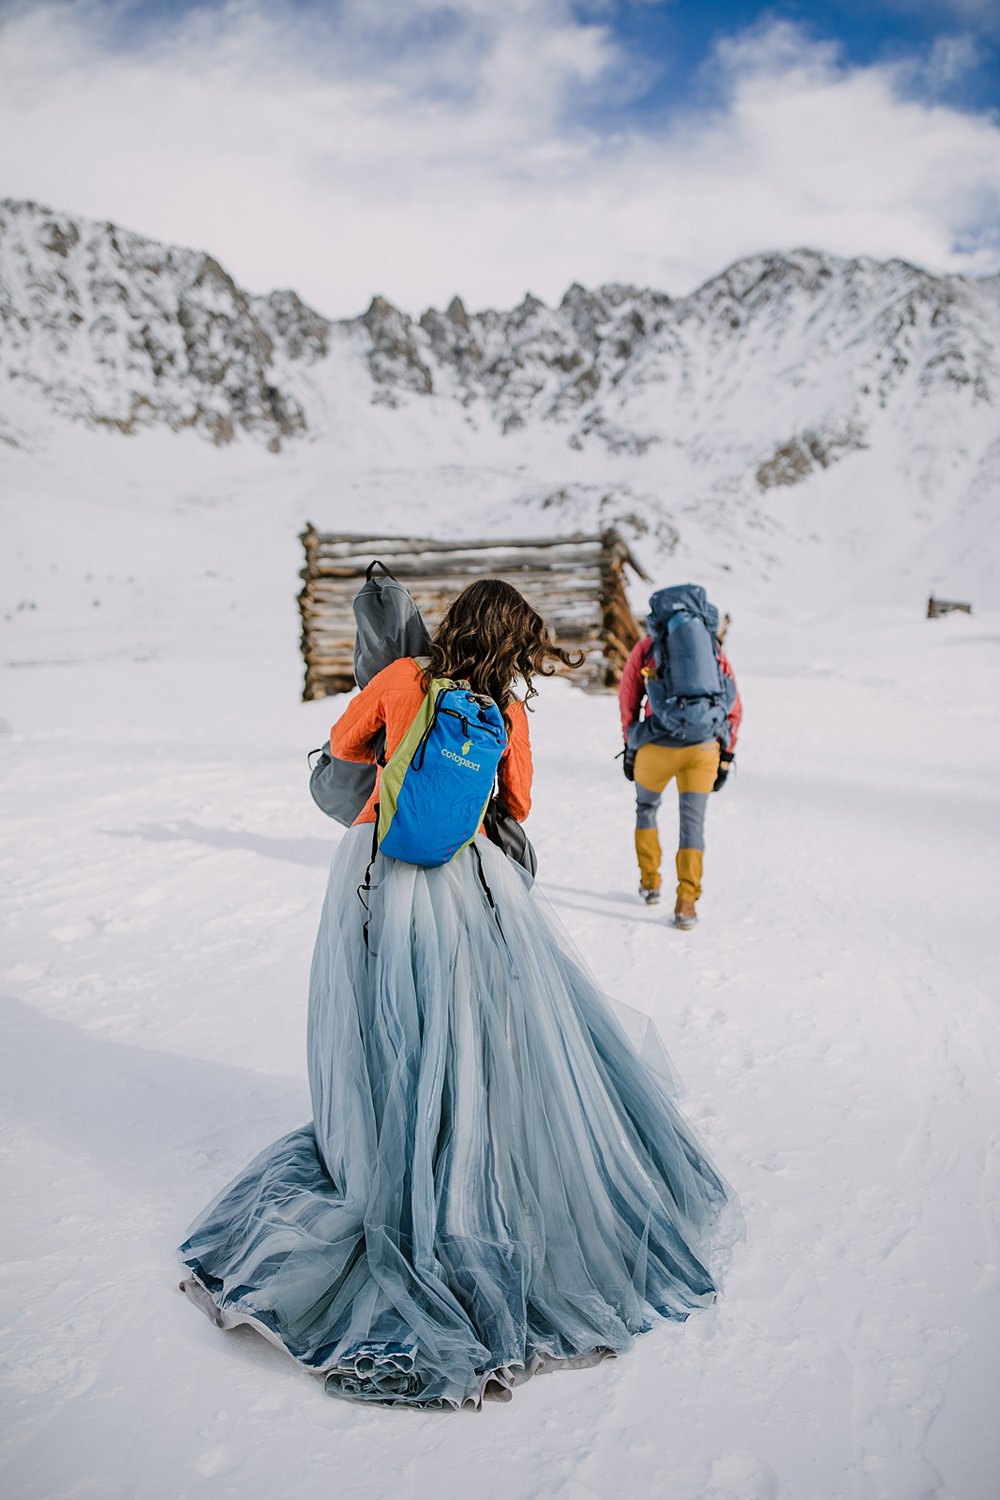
(685, 915)
(650, 894)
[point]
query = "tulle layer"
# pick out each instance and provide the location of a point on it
(494, 1183)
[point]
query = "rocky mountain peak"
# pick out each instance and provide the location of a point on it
(117, 330)
(456, 313)
(394, 357)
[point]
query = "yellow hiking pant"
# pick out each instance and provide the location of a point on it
(694, 767)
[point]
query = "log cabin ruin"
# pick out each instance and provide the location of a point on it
(938, 607)
(576, 582)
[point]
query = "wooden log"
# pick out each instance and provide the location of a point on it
(437, 586)
(550, 598)
(485, 551)
(363, 544)
(461, 565)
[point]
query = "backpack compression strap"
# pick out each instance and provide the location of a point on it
(364, 889)
(489, 894)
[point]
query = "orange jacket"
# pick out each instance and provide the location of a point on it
(392, 699)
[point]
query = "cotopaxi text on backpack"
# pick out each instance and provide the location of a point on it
(689, 695)
(437, 782)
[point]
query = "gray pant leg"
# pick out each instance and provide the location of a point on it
(693, 805)
(646, 806)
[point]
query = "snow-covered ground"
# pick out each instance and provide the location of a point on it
(833, 1017)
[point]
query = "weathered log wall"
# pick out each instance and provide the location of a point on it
(936, 607)
(577, 583)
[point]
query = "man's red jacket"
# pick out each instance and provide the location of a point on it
(632, 690)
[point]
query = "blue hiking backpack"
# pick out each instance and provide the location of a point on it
(438, 781)
(437, 784)
(689, 696)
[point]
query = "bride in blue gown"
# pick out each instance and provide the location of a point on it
(495, 1181)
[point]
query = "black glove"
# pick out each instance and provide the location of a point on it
(628, 763)
(725, 761)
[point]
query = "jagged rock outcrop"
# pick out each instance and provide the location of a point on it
(394, 358)
(119, 331)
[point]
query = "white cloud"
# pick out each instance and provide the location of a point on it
(951, 58)
(429, 151)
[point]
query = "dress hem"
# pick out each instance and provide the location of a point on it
(496, 1384)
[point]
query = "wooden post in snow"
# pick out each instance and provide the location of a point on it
(936, 607)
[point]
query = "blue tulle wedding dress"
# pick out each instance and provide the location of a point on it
(495, 1181)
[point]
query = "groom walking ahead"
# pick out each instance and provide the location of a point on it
(688, 732)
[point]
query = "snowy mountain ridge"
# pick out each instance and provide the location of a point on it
(793, 396)
(114, 329)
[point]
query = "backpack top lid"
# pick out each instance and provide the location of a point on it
(688, 597)
(389, 626)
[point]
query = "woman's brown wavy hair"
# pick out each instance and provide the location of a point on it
(490, 636)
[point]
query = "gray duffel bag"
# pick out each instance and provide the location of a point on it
(389, 625)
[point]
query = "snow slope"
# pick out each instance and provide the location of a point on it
(833, 1017)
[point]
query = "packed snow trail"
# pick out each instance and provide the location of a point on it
(833, 1018)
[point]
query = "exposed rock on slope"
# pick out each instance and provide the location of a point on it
(105, 326)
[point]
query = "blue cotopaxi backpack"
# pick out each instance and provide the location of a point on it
(438, 781)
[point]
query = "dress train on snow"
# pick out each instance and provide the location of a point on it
(494, 1182)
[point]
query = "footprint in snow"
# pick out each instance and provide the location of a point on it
(215, 1460)
(741, 1476)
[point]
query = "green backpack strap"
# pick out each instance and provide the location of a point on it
(399, 761)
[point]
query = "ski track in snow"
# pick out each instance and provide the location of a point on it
(833, 1018)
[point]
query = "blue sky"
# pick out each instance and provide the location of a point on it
(674, 39)
(490, 147)
(682, 34)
